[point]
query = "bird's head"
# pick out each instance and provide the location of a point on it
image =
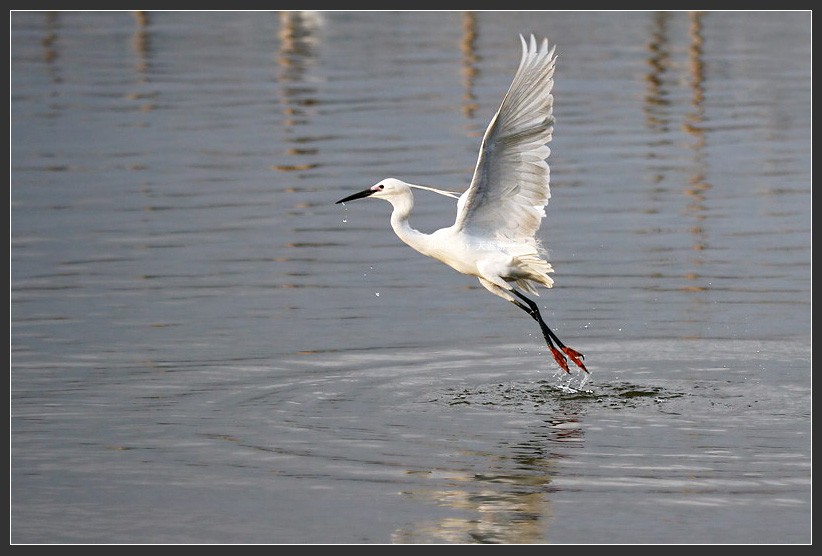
(388, 189)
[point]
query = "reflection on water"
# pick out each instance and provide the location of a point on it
(511, 501)
(508, 499)
(299, 94)
(502, 507)
(470, 63)
(661, 118)
(198, 350)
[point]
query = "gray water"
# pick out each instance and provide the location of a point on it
(204, 348)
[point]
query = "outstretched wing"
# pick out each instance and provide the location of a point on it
(510, 189)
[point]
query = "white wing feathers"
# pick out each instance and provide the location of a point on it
(510, 188)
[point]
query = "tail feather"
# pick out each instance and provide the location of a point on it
(534, 270)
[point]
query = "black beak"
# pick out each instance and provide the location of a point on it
(360, 195)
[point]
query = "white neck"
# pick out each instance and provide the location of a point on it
(399, 222)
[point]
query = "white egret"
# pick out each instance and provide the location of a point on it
(494, 235)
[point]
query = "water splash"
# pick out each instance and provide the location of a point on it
(548, 396)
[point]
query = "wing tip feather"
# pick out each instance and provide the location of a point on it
(530, 45)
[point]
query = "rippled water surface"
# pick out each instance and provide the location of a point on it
(205, 348)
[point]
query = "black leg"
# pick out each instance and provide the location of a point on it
(550, 338)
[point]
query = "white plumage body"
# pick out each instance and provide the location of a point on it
(494, 234)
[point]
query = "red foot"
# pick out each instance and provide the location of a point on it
(560, 359)
(575, 356)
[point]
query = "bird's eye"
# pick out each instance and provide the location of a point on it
(381, 186)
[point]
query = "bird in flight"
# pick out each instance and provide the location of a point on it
(494, 235)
